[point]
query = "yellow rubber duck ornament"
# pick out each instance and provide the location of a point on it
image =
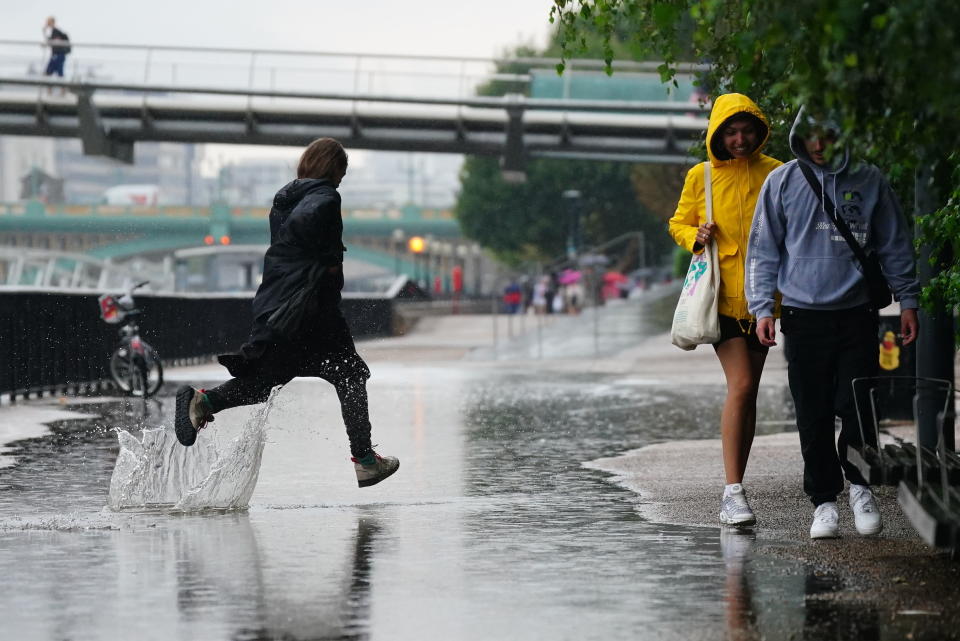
(889, 352)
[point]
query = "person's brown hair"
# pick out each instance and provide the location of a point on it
(323, 158)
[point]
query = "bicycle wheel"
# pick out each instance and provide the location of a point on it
(154, 370)
(138, 379)
(121, 368)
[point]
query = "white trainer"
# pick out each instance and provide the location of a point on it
(866, 513)
(734, 509)
(826, 522)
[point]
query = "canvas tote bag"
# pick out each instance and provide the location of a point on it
(696, 321)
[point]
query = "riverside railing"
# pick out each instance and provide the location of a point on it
(55, 342)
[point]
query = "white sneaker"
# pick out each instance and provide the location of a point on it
(866, 513)
(734, 509)
(826, 522)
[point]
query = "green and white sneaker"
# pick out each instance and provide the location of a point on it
(373, 468)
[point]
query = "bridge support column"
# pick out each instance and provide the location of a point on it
(96, 141)
(513, 165)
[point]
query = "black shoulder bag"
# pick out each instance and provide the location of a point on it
(288, 319)
(876, 283)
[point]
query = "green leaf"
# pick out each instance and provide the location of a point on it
(664, 15)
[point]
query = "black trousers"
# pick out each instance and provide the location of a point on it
(325, 351)
(825, 351)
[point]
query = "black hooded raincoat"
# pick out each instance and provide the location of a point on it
(306, 230)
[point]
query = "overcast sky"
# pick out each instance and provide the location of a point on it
(421, 27)
(435, 27)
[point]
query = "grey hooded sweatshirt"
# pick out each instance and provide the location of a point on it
(795, 249)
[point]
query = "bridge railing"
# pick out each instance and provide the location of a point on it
(273, 70)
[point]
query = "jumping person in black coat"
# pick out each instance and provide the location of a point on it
(298, 329)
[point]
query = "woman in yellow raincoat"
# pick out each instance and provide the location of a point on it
(736, 136)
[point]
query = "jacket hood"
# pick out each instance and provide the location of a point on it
(724, 108)
(803, 125)
(293, 192)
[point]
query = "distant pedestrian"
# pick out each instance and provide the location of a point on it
(553, 293)
(298, 329)
(59, 44)
(539, 298)
(736, 135)
(829, 324)
(512, 298)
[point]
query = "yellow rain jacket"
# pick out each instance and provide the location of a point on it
(736, 185)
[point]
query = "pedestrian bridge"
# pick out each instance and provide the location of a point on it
(117, 95)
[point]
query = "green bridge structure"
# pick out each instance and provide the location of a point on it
(376, 236)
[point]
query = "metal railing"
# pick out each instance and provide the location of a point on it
(54, 341)
(276, 71)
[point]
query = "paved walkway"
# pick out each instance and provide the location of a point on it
(680, 482)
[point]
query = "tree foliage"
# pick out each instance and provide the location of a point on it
(888, 71)
(530, 222)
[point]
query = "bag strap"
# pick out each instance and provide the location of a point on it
(838, 222)
(708, 188)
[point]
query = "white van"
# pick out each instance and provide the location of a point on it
(139, 195)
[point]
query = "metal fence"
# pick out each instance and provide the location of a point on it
(55, 341)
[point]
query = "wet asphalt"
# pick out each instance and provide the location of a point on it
(492, 529)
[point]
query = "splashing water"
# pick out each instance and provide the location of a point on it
(157, 473)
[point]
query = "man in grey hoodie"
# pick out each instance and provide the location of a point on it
(828, 322)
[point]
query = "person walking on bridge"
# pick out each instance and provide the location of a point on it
(829, 320)
(736, 135)
(298, 328)
(59, 45)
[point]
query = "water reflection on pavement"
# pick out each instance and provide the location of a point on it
(492, 529)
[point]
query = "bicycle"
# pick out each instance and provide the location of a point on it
(134, 366)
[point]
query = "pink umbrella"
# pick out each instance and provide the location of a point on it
(568, 277)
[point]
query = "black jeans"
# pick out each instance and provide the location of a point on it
(331, 357)
(825, 351)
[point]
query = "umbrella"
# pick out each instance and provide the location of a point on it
(612, 283)
(568, 277)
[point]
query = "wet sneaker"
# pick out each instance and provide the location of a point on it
(866, 513)
(826, 522)
(734, 509)
(193, 413)
(374, 468)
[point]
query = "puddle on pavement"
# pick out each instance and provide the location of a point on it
(491, 527)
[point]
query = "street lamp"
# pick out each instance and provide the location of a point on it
(416, 245)
(397, 238)
(572, 198)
